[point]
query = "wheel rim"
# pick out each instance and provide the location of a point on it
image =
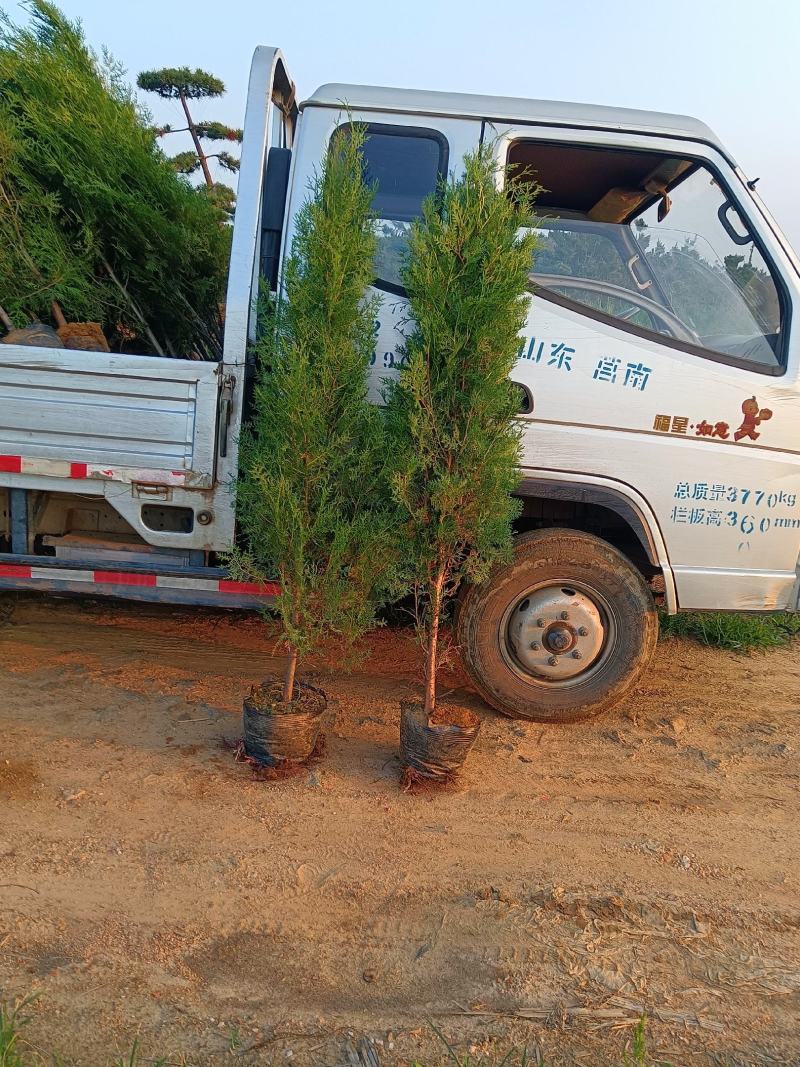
(558, 634)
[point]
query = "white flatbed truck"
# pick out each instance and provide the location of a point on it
(659, 377)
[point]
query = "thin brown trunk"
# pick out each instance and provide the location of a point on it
(6, 321)
(433, 641)
(197, 146)
(134, 307)
(58, 314)
(288, 677)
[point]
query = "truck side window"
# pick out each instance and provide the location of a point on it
(405, 164)
(654, 242)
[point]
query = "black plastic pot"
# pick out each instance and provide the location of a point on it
(434, 750)
(276, 733)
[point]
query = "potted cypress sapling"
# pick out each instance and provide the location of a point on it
(451, 423)
(311, 496)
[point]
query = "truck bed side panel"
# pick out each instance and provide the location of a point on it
(136, 411)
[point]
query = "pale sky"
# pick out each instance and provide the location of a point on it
(734, 64)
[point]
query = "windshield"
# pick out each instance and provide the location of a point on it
(657, 243)
(712, 273)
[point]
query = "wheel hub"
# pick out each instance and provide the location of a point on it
(559, 638)
(556, 633)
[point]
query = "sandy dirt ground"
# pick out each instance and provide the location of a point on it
(149, 886)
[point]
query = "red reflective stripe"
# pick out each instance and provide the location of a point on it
(11, 464)
(267, 589)
(77, 470)
(14, 570)
(124, 578)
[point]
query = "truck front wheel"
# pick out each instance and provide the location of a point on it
(561, 632)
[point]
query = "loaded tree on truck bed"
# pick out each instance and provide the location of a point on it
(94, 222)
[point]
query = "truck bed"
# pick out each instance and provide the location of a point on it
(107, 411)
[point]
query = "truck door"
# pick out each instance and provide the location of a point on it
(269, 128)
(660, 355)
(406, 155)
(405, 159)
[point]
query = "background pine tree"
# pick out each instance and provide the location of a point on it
(183, 84)
(311, 496)
(452, 436)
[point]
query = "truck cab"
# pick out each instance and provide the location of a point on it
(658, 372)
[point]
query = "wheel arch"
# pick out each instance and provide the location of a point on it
(617, 497)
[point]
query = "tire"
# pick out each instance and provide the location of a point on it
(599, 630)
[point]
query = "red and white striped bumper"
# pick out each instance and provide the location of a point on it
(57, 468)
(168, 588)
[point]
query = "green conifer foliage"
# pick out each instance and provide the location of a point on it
(92, 214)
(176, 83)
(309, 497)
(452, 435)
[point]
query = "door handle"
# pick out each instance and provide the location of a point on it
(224, 408)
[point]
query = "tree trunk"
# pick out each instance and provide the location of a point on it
(58, 314)
(431, 663)
(134, 306)
(197, 146)
(288, 678)
(6, 321)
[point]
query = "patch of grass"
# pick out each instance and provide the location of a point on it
(14, 1051)
(12, 1022)
(634, 1054)
(130, 1059)
(734, 631)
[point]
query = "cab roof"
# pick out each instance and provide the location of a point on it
(511, 109)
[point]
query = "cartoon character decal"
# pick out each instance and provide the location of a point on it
(753, 416)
